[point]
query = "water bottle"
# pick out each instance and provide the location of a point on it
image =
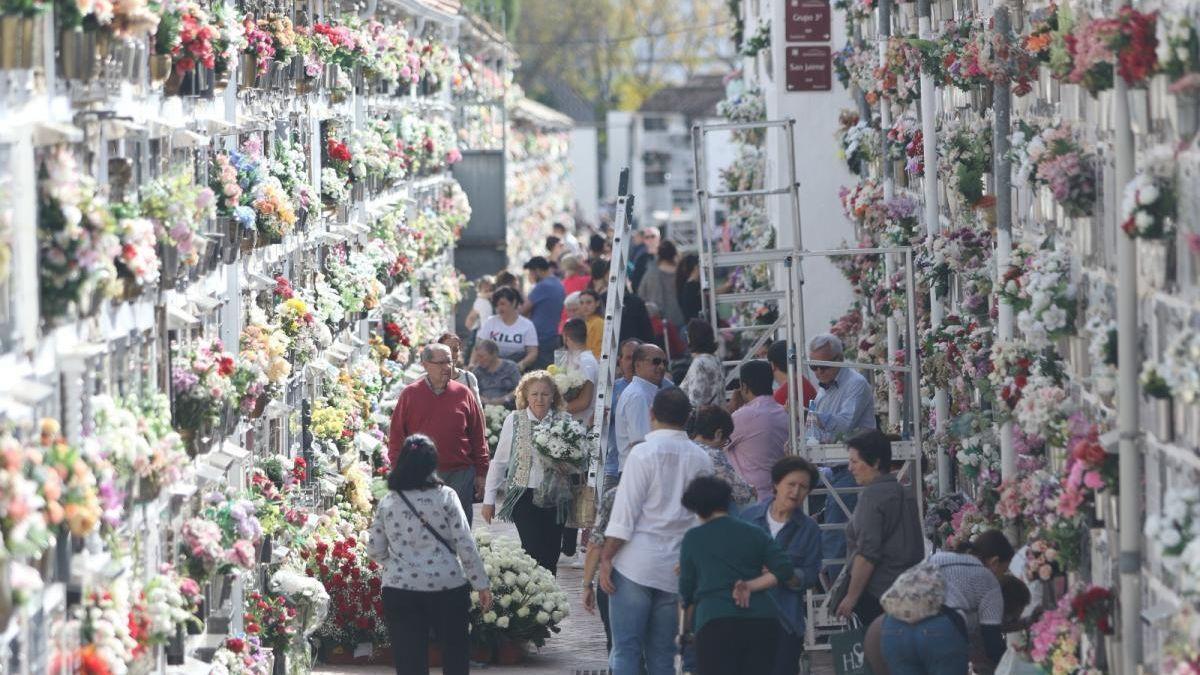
(812, 435)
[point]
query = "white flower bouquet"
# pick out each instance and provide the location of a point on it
(494, 416)
(306, 593)
(562, 438)
(1148, 204)
(1180, 367)
(568, 380)
(527, 603)
(1176, 530)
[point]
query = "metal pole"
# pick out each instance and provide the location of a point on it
(1128, 364)
(914, 381)
(1002, 108)
(933, 225)
(883, 32)
(708, 268)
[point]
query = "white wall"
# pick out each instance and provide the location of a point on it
(584, 156)
(819, 170)
(618, 148)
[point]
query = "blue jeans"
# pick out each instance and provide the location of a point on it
(644, 623)
(934, 646)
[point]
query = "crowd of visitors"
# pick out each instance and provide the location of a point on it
(706, 513)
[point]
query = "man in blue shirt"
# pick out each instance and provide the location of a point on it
(845, 405)
(544, 307)
(625, 368)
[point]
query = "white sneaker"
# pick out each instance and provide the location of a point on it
(577, 562)
(564, 559)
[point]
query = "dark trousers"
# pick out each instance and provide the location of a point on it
(462, 481)
(731, 646)
(570, 541)
(788, 654)
(540, 531)
(868, 608)
(410, 616)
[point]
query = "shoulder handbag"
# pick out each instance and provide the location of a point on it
(435, 533)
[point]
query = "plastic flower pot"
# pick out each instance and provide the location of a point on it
(19, 41)
(79, 54)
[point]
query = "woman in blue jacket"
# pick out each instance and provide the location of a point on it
(800, 538)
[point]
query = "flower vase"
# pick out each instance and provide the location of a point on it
(63, 550)
(160, 69)
(79, 54)
(279, 666)
(147, 490)
(126, 58)
(1187, 113)
(6, 603)
(232, 246)
(264, 549)
(249, 241)
(169, 255)
(175, 647)
(510, 652)
(19, 42)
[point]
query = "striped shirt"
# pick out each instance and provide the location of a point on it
(971, 589)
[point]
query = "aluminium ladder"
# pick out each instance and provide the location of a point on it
(611, 343)
(790, 320)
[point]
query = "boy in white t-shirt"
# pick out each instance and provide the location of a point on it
(481, 309)
(580, 358)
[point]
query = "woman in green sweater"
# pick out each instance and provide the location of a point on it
(721, 579)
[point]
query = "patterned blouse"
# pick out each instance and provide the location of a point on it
(744, 494)
(705, 381)
(410, 557)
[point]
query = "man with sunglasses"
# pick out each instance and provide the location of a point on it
(845, 405)
(632, 418)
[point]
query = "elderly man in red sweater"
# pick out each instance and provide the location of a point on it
(447, 412)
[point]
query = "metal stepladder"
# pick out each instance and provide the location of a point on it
(611, 344)
(787, 292)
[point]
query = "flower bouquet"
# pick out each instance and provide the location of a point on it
(1176, 531)
(272, 619)
(137, 264)
(1089, 468)
(74, 497)
(167, 602)
(78, 241)
(107, 643)
(353, 583)
(241, 656)
(859, 141)
(1053, 158)
(1038, 285)
(965, 151)
(1126, 41)
(28, 502)
(180, 209)
(494, 416)
(906, 143)
(749, 106)
(527, 603)
(1149, 203)
(568, 381)
(260, 47)
(201, 389)
(1055, 641)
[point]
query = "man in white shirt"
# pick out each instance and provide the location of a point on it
(580, 359)
(633, 408)
(642, 539)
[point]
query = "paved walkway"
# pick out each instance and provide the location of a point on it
(577, 650)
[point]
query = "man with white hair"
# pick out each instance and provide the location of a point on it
(448, 413)
(845, 405)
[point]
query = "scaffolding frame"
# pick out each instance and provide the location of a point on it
(790, 320)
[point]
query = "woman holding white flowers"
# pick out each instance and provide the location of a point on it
(528, 480)
(429, 563)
